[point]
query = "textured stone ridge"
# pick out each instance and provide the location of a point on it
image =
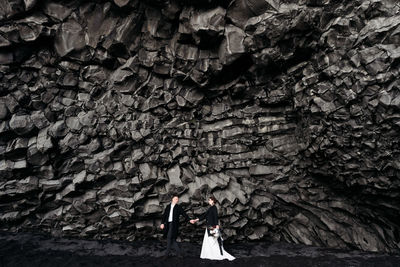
(286, 111)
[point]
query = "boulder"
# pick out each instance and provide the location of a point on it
(70, 37)
(57, 11)
(58, 129)
(21, 124)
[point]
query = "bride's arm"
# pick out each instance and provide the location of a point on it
(215, 217)
(201, 217)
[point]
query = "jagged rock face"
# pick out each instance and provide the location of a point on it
(286, 111)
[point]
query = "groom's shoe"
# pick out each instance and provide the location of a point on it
(166, 256)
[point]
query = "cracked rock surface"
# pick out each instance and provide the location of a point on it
(288, 112)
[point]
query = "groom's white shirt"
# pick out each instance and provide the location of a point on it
(170, 212)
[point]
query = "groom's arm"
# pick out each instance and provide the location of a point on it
(164, 217)
(183, 213)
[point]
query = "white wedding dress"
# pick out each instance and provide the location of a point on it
(210, 249)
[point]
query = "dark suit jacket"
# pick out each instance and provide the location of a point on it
(178, 211)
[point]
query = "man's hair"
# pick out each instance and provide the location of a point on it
(174, 195)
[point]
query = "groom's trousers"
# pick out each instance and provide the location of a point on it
(171, 242)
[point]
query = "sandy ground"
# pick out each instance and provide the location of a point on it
(29, 249)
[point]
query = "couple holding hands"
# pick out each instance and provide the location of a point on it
(212, 247)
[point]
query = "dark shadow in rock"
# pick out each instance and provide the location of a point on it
(232, 71)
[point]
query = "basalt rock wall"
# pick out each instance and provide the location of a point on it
(288, 112)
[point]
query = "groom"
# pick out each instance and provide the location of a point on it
(170, 224)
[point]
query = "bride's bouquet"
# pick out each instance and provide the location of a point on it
(214, 232)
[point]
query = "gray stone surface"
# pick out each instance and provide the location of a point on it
(21, 124)
(286, 111)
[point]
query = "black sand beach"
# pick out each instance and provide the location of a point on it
(28, 249)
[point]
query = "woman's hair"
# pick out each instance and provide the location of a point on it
(214, 200)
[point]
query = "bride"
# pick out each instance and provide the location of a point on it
(212, 242)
